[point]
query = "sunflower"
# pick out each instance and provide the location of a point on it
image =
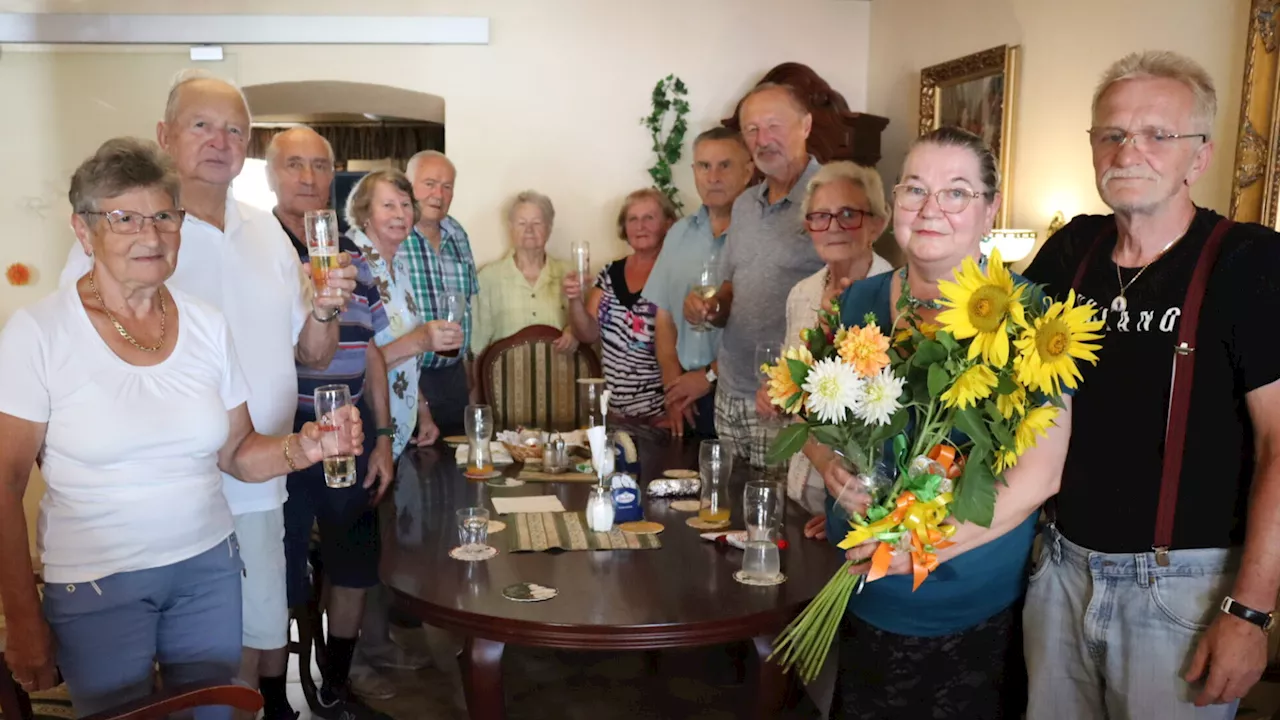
(981, 306)
(865, 348)
(1035, 422)
(928, 330)
(783, 390)
(1050, 347)
(973, 385)
(1014, 402)
(1005, 459)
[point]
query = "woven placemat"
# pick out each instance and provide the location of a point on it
(539, 476)
(535, 532)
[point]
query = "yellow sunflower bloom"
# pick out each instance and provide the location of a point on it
(928, 330)
(1035, 422)
(1005, 459)
(973, 385)
(1048, 350)
(981, 306)
(782, 387)
(1014, 402)
(865, 348)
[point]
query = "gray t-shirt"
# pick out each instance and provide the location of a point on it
(766, 254)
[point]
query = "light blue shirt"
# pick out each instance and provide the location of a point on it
(688, 246)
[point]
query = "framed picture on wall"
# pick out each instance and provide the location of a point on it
(977, 92)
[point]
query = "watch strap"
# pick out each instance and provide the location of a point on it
(1263, 620)
(387, 431)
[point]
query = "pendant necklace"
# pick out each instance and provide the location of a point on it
(1119, 304)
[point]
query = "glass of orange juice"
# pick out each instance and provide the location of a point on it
(478, 420)
(715, 462)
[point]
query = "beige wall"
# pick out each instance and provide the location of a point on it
(552, 103)
(1065, 48)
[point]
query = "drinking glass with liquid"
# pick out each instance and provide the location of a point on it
(761, 562)
(473, 533)
(322, 247)
(339, 468)
(705, 286)
(760, 504)
(454, 310)
(478, 421)
(715, 462)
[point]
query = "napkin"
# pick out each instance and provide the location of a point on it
(527, 504)
(500, 454)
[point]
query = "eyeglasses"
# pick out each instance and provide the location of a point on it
(1145, 140)
(129, 222)
(846, 217)
(950, 200)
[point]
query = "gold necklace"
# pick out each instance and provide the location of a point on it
(120, 328)
(1119, 303)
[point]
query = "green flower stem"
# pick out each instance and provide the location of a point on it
(804, 643)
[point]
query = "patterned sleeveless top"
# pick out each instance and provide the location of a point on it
(627, 335)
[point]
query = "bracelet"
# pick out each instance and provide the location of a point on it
(329, 319)
(293, 467)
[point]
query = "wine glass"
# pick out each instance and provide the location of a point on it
(705, 286)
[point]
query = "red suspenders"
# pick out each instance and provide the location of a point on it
(1184, 361)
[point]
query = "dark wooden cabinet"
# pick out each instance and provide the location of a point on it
(838, 133)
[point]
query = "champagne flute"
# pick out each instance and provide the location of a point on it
(322, 247)
(339, 469)
(454, 311)
(580, 251)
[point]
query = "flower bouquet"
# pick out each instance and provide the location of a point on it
(927, 421)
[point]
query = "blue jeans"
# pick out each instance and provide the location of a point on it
(111, 632)
(1110, 636)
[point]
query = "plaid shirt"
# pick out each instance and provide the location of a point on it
(452, 270)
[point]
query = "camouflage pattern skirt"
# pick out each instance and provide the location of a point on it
(977, 674)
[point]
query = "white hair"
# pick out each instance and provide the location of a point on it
(1170, 66)
(864, 177)
(411, 167)
(191, 75)
(536, 199)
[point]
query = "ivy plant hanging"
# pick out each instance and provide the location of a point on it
(668, 95)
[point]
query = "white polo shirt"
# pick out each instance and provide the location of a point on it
(251, 273)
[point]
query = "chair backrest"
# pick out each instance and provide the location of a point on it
(529, 384)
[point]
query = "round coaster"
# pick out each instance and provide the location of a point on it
(777, 580)
(686, 505)
(680, 474)
(455, 440)
(489, 551)
(504, 482)
(496, 526)
(482, 476)
(699, 524)
(529, 592)
(642, 527)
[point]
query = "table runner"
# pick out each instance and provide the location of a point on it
(539, 476)
(535, 532)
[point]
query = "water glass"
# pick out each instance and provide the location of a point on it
(473, 533)
(760, 561)
(339, 467)
(453, 310)
(322, 247)
(478, 421)
(580, 255)
(761, 504)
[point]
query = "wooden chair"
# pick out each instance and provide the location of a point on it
(16, 705)
(528, 383)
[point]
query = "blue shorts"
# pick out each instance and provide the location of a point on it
(111, 632)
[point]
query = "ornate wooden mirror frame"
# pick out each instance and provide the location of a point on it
(1255, 187)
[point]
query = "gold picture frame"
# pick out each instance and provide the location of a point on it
(1254, 184)
(978, 92)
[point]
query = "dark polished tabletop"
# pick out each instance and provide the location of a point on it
(682, 594)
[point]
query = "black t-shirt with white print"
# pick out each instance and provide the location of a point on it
(1111, 483)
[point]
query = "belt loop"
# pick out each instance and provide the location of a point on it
(1141, 567)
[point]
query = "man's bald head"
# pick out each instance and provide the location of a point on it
(300, 170)
(205, 128)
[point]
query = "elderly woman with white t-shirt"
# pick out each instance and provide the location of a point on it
(129, 396)
(845, 212)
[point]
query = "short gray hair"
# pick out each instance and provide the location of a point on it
(411, 167)
(360, 201)
(120, 165)
(191, 75)
(273, 148)
(843, 170)
(1169, 66)
(538, 200)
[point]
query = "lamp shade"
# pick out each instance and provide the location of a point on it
(1014, 245)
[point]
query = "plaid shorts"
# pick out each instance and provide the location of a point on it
(739, 425)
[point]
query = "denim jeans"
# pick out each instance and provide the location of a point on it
(1111, 635)
(111, 632)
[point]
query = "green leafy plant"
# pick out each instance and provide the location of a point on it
(668, 95)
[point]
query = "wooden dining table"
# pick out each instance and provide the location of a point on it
(681, 595)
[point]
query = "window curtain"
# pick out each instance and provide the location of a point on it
(373, 141)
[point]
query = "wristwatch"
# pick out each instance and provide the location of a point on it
(1264, 620)
(387, 431)
(711, 374)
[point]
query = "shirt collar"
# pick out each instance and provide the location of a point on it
(796, 196)
(449, 230)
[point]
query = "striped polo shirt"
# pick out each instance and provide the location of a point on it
(362, 319)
